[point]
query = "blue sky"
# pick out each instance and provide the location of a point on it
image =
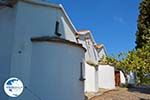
(112, 22)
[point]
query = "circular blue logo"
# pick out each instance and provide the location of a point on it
(13, 87)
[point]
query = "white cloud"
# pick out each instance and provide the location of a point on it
(119, 20)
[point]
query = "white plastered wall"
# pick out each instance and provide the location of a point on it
(106, 77)
(122, 78)
(91, 76)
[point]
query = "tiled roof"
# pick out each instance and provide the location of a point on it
(99, 46)
(83, 32)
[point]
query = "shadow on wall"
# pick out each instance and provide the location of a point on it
(143, 99)
(86, 98)
(3, 96)
(61, 27)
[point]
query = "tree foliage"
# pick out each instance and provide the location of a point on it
(137, 61)
(143, 32)
(143, 40)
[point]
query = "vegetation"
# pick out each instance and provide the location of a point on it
(137, 61)
(143, 32)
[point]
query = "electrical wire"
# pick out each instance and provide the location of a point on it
(32, 93)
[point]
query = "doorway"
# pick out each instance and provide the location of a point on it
(117, 78)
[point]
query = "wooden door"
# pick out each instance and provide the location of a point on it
(117, 78)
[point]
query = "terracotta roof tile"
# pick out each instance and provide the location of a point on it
(83, 32)
(99, 46)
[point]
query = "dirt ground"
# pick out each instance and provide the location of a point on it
(125, 94)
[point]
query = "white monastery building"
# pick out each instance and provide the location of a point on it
(91, 60)
(97, 75)
(39, 46)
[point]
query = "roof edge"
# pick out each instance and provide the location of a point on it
(87, 32)
(55, 39)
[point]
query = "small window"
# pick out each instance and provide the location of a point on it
(57, 29)
(81, 72)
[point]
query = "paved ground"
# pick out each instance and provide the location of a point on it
(125, 94)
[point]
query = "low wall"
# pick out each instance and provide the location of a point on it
(91, 76)
(106, 77)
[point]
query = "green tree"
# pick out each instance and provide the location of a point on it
(143, 32)
(137, 61)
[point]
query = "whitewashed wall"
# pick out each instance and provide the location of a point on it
(35, 19)
(17, 26)
(122, 78)
(106, 77)
(82, 41)
(101, 53)
(7, 21)
(55, 72)
(91, 76)
(91, 54)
